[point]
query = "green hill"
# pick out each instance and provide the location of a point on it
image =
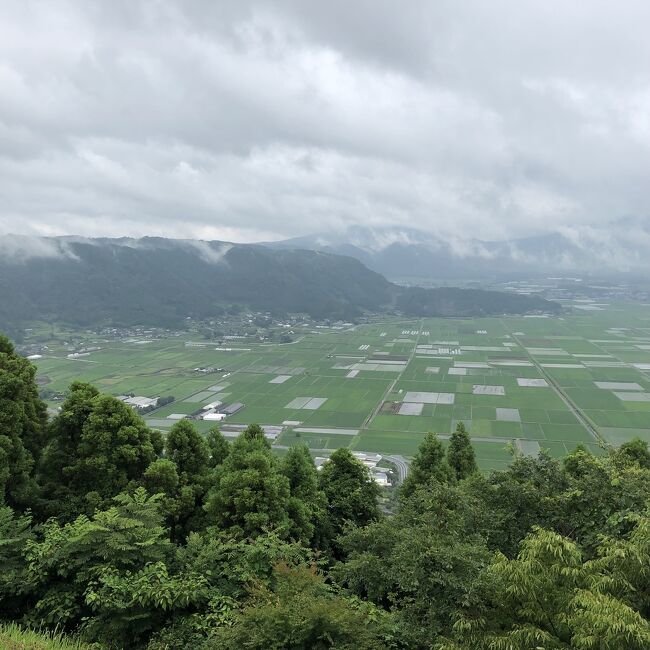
(155, 281)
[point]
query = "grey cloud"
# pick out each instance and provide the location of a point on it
(248, 121)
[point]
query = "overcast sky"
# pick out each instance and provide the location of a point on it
(263, 120)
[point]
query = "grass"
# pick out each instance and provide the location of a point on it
(13, 637)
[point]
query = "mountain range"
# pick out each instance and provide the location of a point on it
(157, 281)
(408, 254)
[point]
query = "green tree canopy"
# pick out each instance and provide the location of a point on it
(350, 491)
(188, 450)
(306, 501)
(300, 612)
(429, 464)
(98, 447)
(65, 565)
(460, 453)
(184, 477)
(218, 447)
(421, 564)
(22, 425)
(548, 597)
(251, 493)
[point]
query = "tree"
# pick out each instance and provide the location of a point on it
(549, 597)
(635, 451)
(161, 477)
(429, 464)
(299, 612)
(460, 453)
(15, 533)
(251, 494)
(515, 500)
(421, 564)
(62, 449)
(69, 563)
(350, 491)
(187, 449)
(183, 477)
(22, 425)
(306, 505)
(99, 446)
(230, 569)
(218, 447)
(601, 495)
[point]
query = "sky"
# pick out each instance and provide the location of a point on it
(251, 121)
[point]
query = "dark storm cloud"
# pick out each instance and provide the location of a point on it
(251, 120)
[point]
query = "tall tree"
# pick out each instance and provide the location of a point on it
(518, 498)
(421, 564)
(63, 438)
(350, 491)
(218, 446)
(251, 493)
(188, 450)
(184, 476)
(460, 453)
(22, 425)
(600, 496)
(306, 505)
(115, 449)
(429, 464)
(99, 446)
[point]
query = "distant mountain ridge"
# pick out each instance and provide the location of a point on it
(401, 253)
(162, 281)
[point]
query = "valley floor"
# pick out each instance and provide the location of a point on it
(525, 382)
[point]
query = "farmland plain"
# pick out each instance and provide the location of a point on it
(520, 383)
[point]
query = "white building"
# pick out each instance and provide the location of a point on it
(141, 402)
(214, 417)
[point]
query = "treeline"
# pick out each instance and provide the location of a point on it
(122, 538)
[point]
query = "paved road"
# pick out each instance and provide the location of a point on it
(389, 390)
(584, 421)
(402, 466)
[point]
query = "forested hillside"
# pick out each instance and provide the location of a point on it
(116, 536)
(160, 282)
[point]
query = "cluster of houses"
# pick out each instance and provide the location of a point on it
(216, 412)
(370, 460)
(138, 402)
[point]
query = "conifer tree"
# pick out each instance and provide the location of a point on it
(429, 464)
(306, 501)
(22, 425)
(218, 447)
(251, 493)
(350, 491)
(460, 453)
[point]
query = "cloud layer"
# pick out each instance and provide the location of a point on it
(245, 120)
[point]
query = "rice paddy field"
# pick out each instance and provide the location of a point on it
(527, 383)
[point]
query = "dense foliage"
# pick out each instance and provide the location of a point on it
(120, 539)
(155, 281)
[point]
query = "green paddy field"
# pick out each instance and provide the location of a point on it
(526, 383)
